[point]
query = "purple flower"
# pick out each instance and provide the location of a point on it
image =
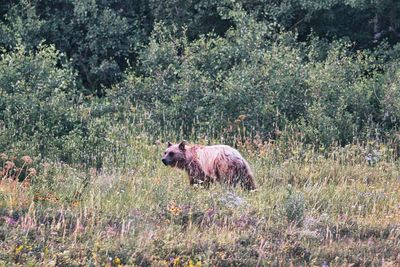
(10, 220)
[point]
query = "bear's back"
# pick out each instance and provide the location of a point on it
(207, 155)
(224, 150)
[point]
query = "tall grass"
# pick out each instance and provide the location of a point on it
(313, 206)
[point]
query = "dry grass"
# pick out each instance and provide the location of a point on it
(339, 207)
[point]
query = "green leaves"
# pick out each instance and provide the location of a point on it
(325, 90)
(37, 103)
(72, 70)
(22, 25)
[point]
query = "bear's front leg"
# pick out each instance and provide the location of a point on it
(206, 182)
(200, 180)
(192, 180)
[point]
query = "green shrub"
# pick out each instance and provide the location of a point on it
(255, 80)
(38, 105)
(258, 79)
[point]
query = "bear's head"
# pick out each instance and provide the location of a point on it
(175, 155)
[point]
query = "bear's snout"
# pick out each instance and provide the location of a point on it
(164, 161)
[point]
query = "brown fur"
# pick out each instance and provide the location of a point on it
(207, 164)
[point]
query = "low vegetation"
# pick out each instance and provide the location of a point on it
(332, 207)
(91, 91)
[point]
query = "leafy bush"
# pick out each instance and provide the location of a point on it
(254, 80)
(38, 105)
(260, 79)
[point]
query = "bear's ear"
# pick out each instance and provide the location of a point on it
(182, 145)
(169, 144)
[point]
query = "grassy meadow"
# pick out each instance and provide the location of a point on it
(336, 207)
(307, 91)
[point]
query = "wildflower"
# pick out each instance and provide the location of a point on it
(19, 249)
(175, 210)
(193, 264)
(10, 220)
(242, 117)
(117, 261)
(52, 198)
(9, 165)
(27, 160)
(32, 171)
(174, 261)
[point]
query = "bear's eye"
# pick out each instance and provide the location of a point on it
(171, 154)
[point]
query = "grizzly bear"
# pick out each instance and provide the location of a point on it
(207, 164)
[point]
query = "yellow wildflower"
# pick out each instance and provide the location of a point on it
(192, 264)
(117, 261)
(19, 249)
(176, 261)
(175, 210)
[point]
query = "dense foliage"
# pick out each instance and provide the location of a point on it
(75, 72)
(307, 90)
